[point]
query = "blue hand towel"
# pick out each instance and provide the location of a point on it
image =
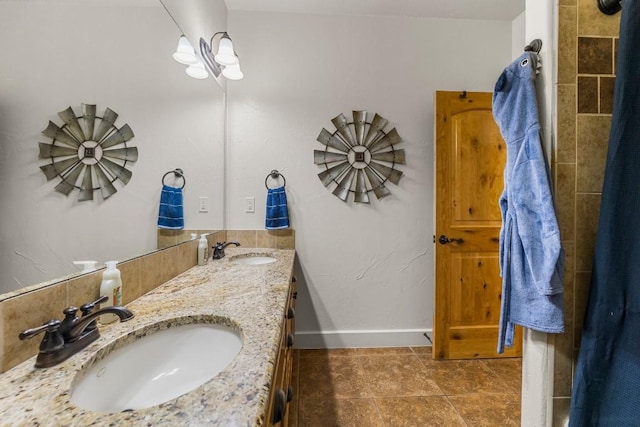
(170, 214)
(277, 210)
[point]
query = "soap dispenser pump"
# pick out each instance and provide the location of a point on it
(111, 286)
(203, 250)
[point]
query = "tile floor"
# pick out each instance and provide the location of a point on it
(402, 386)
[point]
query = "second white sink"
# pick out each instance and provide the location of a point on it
(253, 259)
(156, 368)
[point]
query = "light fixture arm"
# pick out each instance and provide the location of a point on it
(215, 34)
(207, 56)
(214, 63)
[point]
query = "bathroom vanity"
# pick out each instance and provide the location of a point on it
(250, 291)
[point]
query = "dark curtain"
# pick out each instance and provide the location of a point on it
(606, 390)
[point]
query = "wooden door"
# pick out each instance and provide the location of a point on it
(470, 159)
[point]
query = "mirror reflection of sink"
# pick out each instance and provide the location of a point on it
(253, 259)
(156, 368)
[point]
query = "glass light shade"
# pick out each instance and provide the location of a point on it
(184, 53)
(226, 56)
(233, 72)
(197, 71)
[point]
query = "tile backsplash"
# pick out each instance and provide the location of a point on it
(139, 276)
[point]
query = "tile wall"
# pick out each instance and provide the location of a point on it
(277, 239)
(139, 276)
(587, 42)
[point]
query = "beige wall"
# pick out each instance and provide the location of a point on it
(587, 41)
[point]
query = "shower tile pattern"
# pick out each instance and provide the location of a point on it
(402, 386)
(587, 46)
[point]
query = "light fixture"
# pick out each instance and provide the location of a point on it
(185, 54)
(225, 56)
(233, 72)
(225, 61)
(197, 71)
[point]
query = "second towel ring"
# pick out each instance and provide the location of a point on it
(274, 174)
(178, 173)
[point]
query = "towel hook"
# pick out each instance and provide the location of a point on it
(534, 46)
(178, 173)
(274, 174)
(609, 7)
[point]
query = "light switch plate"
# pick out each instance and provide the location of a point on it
(249, 204)
(203, 204)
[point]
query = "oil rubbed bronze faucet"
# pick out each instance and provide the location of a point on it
(63, 339)
(218, 249)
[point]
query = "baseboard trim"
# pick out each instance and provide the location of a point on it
(362, 338)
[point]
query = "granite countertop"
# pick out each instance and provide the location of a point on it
(249, 298)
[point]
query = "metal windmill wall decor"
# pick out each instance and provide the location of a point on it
(359, 157)
(87, 149)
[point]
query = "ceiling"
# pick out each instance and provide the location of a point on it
(504, 10)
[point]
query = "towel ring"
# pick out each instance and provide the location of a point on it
(178, 173)
(274, 174)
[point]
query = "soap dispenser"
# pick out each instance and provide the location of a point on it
(111, 286)
(203, 250)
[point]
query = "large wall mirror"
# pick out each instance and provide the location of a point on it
(116, 54)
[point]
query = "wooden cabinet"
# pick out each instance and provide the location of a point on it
(282, 391)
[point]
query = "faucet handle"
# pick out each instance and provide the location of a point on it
(69, 320)
(87, 308)
(52, 340)
(70, 311)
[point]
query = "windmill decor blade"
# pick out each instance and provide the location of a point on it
(321, 157)
(72, 176)
(129, 153)
(396, 156)
(361, 196)
(359, 122)
(68, 181)
(86, 190)
(377, 124)
(342, 190)
(108, 119)
(332, 141)
(47, 150)
(376, 183)
(391, 174)
(342, 125)
(69, 118)
(388, 140)
(54, 132)
(115, 169)
(64, 187)
(333, 173)
(106, 187)
(89, 115)
(120, 136)
(56, 168)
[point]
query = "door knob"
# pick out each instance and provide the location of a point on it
(443, 240)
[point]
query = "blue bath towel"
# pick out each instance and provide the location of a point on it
(277, 210)
(170, 214)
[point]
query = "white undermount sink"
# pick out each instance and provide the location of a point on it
(156, 368)
(253, 259)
